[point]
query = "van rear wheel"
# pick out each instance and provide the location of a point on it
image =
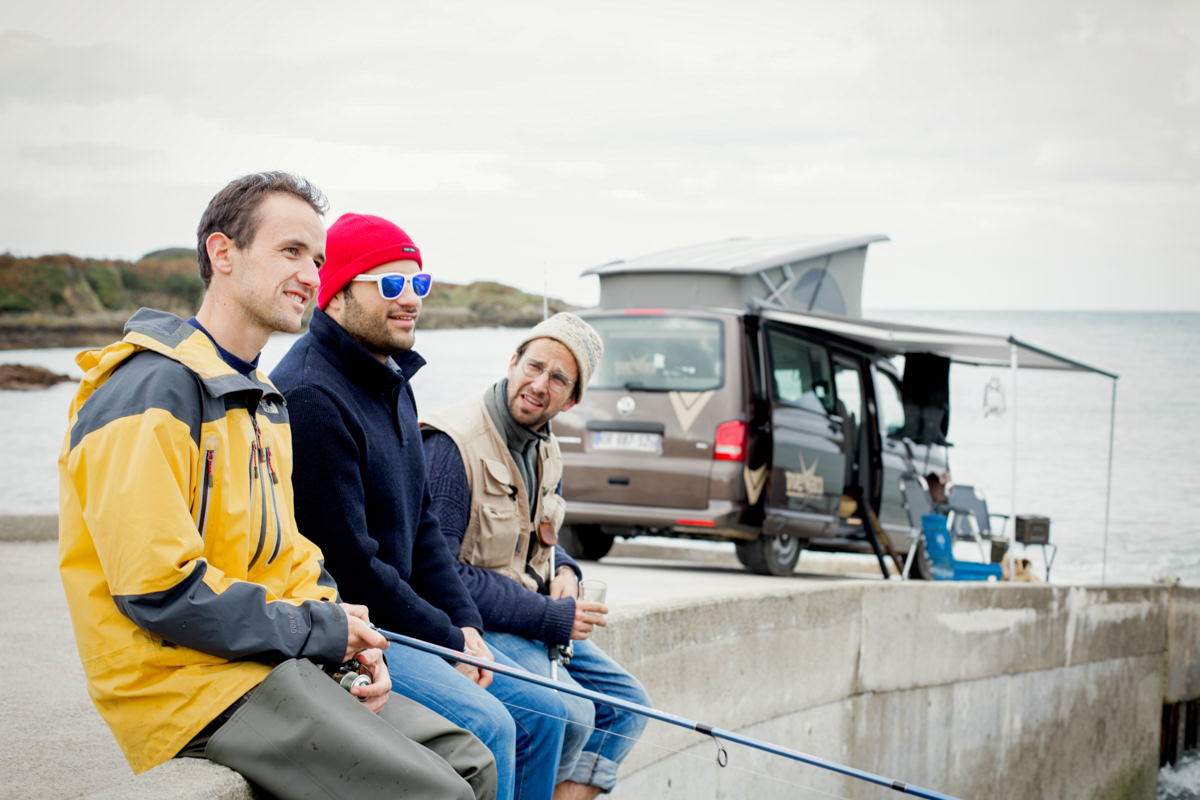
(585, 542)
(770, 555)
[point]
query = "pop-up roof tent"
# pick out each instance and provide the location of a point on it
(798, 273)
(816, 282)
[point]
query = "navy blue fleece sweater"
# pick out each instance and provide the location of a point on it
(361, 493)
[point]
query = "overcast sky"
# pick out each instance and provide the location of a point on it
(1020, 154)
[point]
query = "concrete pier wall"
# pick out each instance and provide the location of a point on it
(971, 690)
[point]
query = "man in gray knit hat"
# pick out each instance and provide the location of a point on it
(495, 475)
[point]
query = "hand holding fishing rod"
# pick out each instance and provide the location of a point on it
(475, 646)
(663, 716)
(364, 648)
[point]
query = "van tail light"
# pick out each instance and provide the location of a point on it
(730, 443)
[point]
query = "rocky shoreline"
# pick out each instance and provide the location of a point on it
(23, 377)
(34, 331)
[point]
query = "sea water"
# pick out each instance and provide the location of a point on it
(1062, 431)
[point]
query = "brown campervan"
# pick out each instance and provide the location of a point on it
(728, 406)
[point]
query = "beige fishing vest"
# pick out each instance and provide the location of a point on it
(500, 529)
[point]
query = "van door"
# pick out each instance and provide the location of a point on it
(849, 406)
(807, 463)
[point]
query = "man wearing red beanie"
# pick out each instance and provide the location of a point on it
(361, 494)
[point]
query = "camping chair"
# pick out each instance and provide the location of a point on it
(922, 517)
(940, 546)
(969, 517)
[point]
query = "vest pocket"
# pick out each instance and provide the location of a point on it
(499, 536)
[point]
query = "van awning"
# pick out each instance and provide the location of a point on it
(961, 347)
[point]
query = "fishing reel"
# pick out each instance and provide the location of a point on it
(561, 654)
(349, 674)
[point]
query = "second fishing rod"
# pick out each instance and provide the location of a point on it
(718, 734)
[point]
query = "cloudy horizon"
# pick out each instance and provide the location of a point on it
(1018, 155)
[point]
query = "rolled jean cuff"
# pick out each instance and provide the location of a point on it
(593, 769)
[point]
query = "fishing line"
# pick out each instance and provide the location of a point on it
(662, 716)
(682, 752)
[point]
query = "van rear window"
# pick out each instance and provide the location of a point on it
(660, 353)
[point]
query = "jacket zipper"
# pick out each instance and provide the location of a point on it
(274, 506)
(257, 477)
(206, 484)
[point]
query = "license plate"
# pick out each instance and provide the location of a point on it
(634, 441)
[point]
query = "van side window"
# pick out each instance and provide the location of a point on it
(799, 371)
(890, 406)
(849, 392)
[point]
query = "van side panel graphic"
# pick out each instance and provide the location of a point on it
(805, 483)
(755, 480)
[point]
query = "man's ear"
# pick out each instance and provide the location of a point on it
(219, 248)
(567, 406)
(336, 303)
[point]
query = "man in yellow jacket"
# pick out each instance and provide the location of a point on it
(199, 610)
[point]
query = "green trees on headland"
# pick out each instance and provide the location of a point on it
(68, 286)
(65, 292)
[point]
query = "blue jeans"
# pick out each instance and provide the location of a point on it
(521, 723)
(598, 736)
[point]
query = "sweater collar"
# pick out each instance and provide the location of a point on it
(516, 435)
(358, 362)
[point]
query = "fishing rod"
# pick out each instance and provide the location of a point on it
(653, 713)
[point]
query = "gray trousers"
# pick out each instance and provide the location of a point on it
(300, 735)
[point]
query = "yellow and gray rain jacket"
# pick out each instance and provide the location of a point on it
(184, 572)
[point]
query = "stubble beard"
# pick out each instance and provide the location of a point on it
(273, 316)
(372, 332)
(520, 414)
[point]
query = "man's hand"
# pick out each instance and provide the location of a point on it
(375, 694)
(360, 635)
(475, 646)
(564, 584)
(588, 615)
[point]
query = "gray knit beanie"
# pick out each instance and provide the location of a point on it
(578, 337)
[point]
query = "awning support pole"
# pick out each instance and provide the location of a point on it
(1012, 531)
(1112, 424)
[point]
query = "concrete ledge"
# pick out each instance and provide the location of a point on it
(28, 527)
(183, 779)
(1047, 691)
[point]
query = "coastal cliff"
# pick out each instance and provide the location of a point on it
(70, 301)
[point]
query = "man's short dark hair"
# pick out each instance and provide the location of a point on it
(233, 211)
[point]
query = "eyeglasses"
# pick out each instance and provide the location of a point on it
(559, 382)
(391, 285)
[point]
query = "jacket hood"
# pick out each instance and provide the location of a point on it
(175, 338)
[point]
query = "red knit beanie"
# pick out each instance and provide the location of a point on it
(357, 243)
